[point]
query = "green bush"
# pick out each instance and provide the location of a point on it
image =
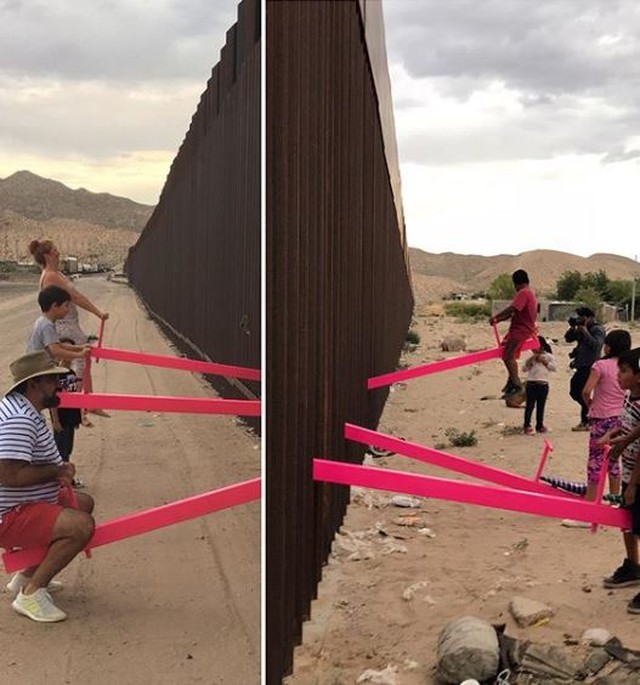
(461, 439)
(468, 311)
(412, 337)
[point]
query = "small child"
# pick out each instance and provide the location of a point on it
(626, 439)
(65, 421)
(537, 368)
(54, 303)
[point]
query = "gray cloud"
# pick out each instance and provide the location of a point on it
(113, 40)
(104, 78)
(553, 53)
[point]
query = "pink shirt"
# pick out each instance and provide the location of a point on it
(608, 396)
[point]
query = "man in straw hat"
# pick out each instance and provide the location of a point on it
(34, 511)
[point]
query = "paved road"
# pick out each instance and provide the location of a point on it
(180, 605)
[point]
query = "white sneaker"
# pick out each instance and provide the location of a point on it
(572, 523)
(19, 580)
(38, 606)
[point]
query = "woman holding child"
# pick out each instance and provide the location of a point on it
(47, 257)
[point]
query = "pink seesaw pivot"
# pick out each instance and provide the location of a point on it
(148, 520)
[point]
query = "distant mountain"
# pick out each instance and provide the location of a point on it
(437, 275)
(42, 199)
(95, 227)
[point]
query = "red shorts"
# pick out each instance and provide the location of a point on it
(511, 346)
(31, 524)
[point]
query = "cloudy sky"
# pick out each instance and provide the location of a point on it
(518, 123)
(100, 94)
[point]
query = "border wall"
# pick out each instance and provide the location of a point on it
(197, 263)
(339, 299)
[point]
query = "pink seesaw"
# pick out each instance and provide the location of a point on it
(470, 493)
(191, 405)
(148, 520)
(443, 365)
(448, 461)
(169, 362)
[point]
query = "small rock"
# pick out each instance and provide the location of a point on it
(467, 648)
(405, 501)
(596, 637)
(453, 343)
(384, 677)
(528, 612)
(408, 594)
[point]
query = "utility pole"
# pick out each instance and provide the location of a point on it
(633, 296)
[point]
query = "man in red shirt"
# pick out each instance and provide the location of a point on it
(523, 312)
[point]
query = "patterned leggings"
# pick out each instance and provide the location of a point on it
(597, 428)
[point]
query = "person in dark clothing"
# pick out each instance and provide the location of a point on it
(65, 421)
(589, 336)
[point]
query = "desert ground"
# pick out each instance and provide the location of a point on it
(397, 576)
(178, 605)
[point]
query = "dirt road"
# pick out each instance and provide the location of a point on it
(179, 605)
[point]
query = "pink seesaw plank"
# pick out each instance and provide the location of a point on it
(469, 493)
(190, 405)
(447, 461)
(443, 365)
(150, 519)
(169, 362)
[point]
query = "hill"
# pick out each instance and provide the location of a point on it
(42, 199)
(437, 275)
(95, 227)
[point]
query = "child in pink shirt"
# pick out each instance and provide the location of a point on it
(604, 397)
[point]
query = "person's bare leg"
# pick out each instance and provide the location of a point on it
(614, 485)
(71, 532)
(631, 545)
(512, 368)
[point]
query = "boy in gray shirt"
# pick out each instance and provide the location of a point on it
(54, 303)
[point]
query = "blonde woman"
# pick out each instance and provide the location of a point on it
(46, 255)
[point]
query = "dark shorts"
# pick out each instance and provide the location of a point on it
(635, 511)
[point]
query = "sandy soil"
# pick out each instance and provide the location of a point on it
(470, 560)
(179, 605)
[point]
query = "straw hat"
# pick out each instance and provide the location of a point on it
(32, 365)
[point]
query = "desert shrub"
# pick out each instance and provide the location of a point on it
(412, 337)
(460, 438)
(468, 311)
(511, 430)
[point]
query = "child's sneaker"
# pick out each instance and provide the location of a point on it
(544, 429)
(633, 607)
(624, 576)
(528, 430)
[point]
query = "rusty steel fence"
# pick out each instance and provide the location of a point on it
(339, 299)
(196, 265)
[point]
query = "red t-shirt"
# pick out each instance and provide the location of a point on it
(523, 320)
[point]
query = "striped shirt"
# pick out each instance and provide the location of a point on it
(24, 435)
(629, 419)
